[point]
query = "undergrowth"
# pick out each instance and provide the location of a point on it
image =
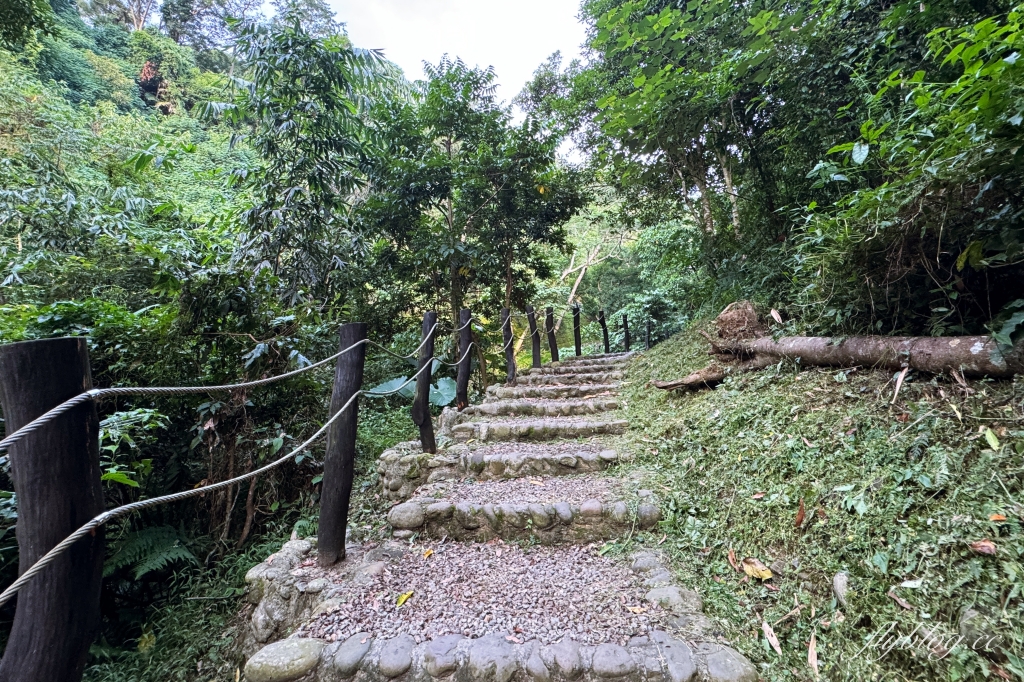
(894, 494)
(193, 635)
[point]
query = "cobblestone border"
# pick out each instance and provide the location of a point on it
(691, 653)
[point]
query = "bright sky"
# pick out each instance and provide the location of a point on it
(513, 36)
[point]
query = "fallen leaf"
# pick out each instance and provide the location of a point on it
(755, 569)
(404, 597)
(985, 546)
(776, 316)
(732, 561)
(996, 517)
(533, 482)
(429, 553)
(636, 609)
(812, 655)
(990, 438)
(794, 612)
(903, 418)
(807, 442)
(758, 496)
(800, 514)
(718, 579)
(899, 600)
(771, 587)
(663, 538)
(769, 634)
(826, 623)
(899, 385)
(512, 638)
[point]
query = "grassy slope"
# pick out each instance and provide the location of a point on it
(893, 493)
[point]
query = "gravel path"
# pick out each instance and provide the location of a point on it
(542, 593)
(543, 489)
(554, 447)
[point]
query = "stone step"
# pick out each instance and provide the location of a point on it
(553, 368)
(549, 523)
(541, 408)
(601, 357)
(549, 392)
(537, 429)
(405, 467)
(569, 379)
(610, 622)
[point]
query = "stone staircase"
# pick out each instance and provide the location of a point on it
(494, 570)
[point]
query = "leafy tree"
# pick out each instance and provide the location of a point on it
(300, 107)
(19, 19)
(462, 194)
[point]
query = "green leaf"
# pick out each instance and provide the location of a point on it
(991, 439)
(119, 477)
(443, 393)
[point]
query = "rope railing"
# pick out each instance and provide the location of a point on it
(112, 514)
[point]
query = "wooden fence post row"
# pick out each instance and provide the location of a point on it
(531, 318)
(550, 328)
(465, 360)
(506, 339)
(604, 331)
(577, 339)
(647, 335)
(421, 403)
(340, 459)
(625, 331)
(56, 474)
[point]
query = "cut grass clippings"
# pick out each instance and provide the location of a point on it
(816, 471)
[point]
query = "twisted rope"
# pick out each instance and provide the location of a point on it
(118, 512)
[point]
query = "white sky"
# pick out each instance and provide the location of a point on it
(513, 36)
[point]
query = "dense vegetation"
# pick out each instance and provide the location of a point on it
(205, 193)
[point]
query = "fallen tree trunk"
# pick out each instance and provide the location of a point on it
(972, 356)
(743, 346)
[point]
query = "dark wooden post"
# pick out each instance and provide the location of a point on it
(531, 317)
(550, 328)
(56, 475)
(577, 339)
(625, 331)
(647, 335)
(604, 330)
(510, 352)
(421, 403)
(462, 376)
(340, 459)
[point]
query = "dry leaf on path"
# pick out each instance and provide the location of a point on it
(998, 672)
(636, 609)
(807, 442)
(758, 496)
(755, 569)
(770, 636)
(986, 547)
(899, 384)
(996, 517)
(812, 655)
(404, 597)
(900, 600)
(429, 553)
(776, 316)
(800, 514)
(732, 561)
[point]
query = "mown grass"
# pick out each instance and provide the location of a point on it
(894, 493)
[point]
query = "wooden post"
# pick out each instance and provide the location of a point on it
(462, 375)
(604, 330)
(577, 339)
(421, 403)
(340, 459)
(506, 339)
(56, 475)
(647, 335)
(531, 317)
(625, 331)
(552, 341)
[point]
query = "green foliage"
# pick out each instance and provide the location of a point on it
(848, 160)
(894, 494)
(149, 549)
(19, 19)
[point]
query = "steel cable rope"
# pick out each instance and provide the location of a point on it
(98, 393)
(459, 361)
(409, 355)
(123, 510)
